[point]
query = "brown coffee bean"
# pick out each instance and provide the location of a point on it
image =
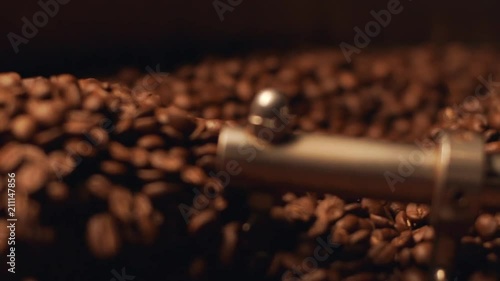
(395, 207)
(99, 186)
(360, 236)
(31, 177)
(57, 191)
(150, 175)
(230, 239)
(382, 253)
(349, 222)
(102, 236)
(206, 149)
(38, 87)
(11, 156)
(48, 113)
(382, 235)
(425, 233)
(151, 142)
(142, 206)
(23, 127)
(422, 253)
(340, 236)
(111, 167)
(405, 239)
(48, 136)
(139, 157)
(193, 175)
(380, 221)
(119, 152)
(62, 163)
(167, 162)
(181, 121)
(417, 212)
(120, 202)
(492, 147)
(301, 209)
(404, 256)
(373, 206)
(159, 189)
(401, 222)
(486, 226)
(200, 220)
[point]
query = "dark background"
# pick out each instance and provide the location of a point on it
(91, 38)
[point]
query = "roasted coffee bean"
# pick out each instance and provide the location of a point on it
(422, 253)
(200, 220)
(142, 207)
(193, 175)
(401, 221)
(425, 233)
(111, 167)
(417, 212)
(492, 147)
(119, 152)
(181, 120)
(31, 177)
(48, 113)
(380, 221)
(166, 161)
(99, 186)
(57, 191)
(120, 202)
(373, 206)
(150, 175)
(301, 209)
(38, 87)
(382, 253)
(360, 236)
(414, 274)
(159, 189)
(405, 239)
(151, 142)
(139, 157)
(102, 236)
(11, 156)
(48, 136)
(23, 127)
(486, 226)
(349, 222)
(382, 235)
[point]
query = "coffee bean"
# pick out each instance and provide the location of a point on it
(422, 253)
(201, 220)
(360, 236)
(181, 121)
(193, 175)
(401, 222)
(48, 113)
(39, 87)
(57, 191)
(48, 136)
(150, 175)
(301, 209)
(139, 157)
(414, 274)
(23, 127)
(417, 212)
(11, 156)
(382, 235)
(31, 177)
(382, 253)
(151, 142)
(170, 163)
(405, 239)
(425, 233)
(373, 206)
(99, 186)
(349, 222)
(159, 189)
(111, 167)
(102, 236)
(120, 202)
(486, 226)
(119, 152)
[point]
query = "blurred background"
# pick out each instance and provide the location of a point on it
(92, 38)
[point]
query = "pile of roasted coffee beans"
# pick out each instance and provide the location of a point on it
(118, 175)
